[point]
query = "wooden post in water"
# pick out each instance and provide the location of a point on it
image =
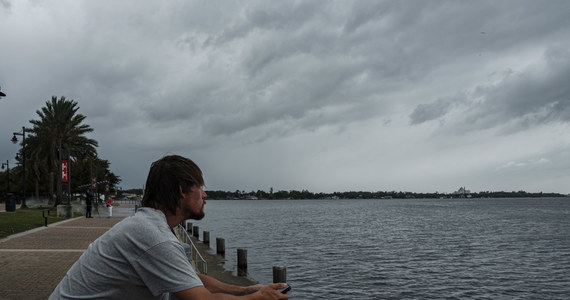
(279, 274)
(221, 246)
(242, 261)
(196, 231)
(207, 238)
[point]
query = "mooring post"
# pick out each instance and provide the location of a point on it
(207, 238)
(220, 246)
(242, 261)
(196, 231)
(189, 227)
(279, 274)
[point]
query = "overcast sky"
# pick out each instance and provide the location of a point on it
(417, 96)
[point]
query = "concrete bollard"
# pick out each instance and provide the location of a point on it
(207, 238)
(279, 274)
(242, 261)
(196, 231)
(220, 246)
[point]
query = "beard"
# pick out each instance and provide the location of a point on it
(196, 215)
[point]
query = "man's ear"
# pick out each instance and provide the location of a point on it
(182, 193)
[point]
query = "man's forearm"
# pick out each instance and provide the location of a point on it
(215, 286)
(222, 291)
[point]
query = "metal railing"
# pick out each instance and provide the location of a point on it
(196, 259)
(127, 201)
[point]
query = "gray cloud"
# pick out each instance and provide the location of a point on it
(536, 95)
(430, 111)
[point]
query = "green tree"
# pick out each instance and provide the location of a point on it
(59, 132)
(87, 167)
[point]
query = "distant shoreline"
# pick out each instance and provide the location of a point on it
(292, 195)
(410, 198)
(306, 195)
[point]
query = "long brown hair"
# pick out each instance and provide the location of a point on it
(165, 178)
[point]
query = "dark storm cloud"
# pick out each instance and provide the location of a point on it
(430, 111)
(300, 60)
(277, 17)
(536, 95)
(296, 60)
(6, 4)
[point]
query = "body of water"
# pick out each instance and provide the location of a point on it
(402, 249)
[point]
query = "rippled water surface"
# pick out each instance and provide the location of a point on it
(402, 249)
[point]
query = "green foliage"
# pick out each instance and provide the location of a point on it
(133, 191)
(60, 128)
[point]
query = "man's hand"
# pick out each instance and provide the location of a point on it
(270, 291)
(218, 290)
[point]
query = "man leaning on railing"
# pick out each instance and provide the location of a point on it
(141, 258)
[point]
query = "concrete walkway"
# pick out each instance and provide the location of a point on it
(32, 263)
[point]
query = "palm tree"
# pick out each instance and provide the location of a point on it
(58, 132)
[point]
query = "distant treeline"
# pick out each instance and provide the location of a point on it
(304, 194)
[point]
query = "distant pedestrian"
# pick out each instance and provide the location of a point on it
(88, 203)
(109, 204)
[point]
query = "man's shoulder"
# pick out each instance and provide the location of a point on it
(147, 223)
(147, 215)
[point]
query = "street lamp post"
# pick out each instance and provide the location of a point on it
(59, 177)
(7, 165)
(15, 140)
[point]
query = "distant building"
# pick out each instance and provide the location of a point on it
(462, 192)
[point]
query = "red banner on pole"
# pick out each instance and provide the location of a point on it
(64, 171)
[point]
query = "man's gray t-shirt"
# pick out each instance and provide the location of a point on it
(139, 258)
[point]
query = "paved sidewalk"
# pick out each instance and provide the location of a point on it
(33, 262)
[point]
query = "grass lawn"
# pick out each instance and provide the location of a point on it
(24, 219)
